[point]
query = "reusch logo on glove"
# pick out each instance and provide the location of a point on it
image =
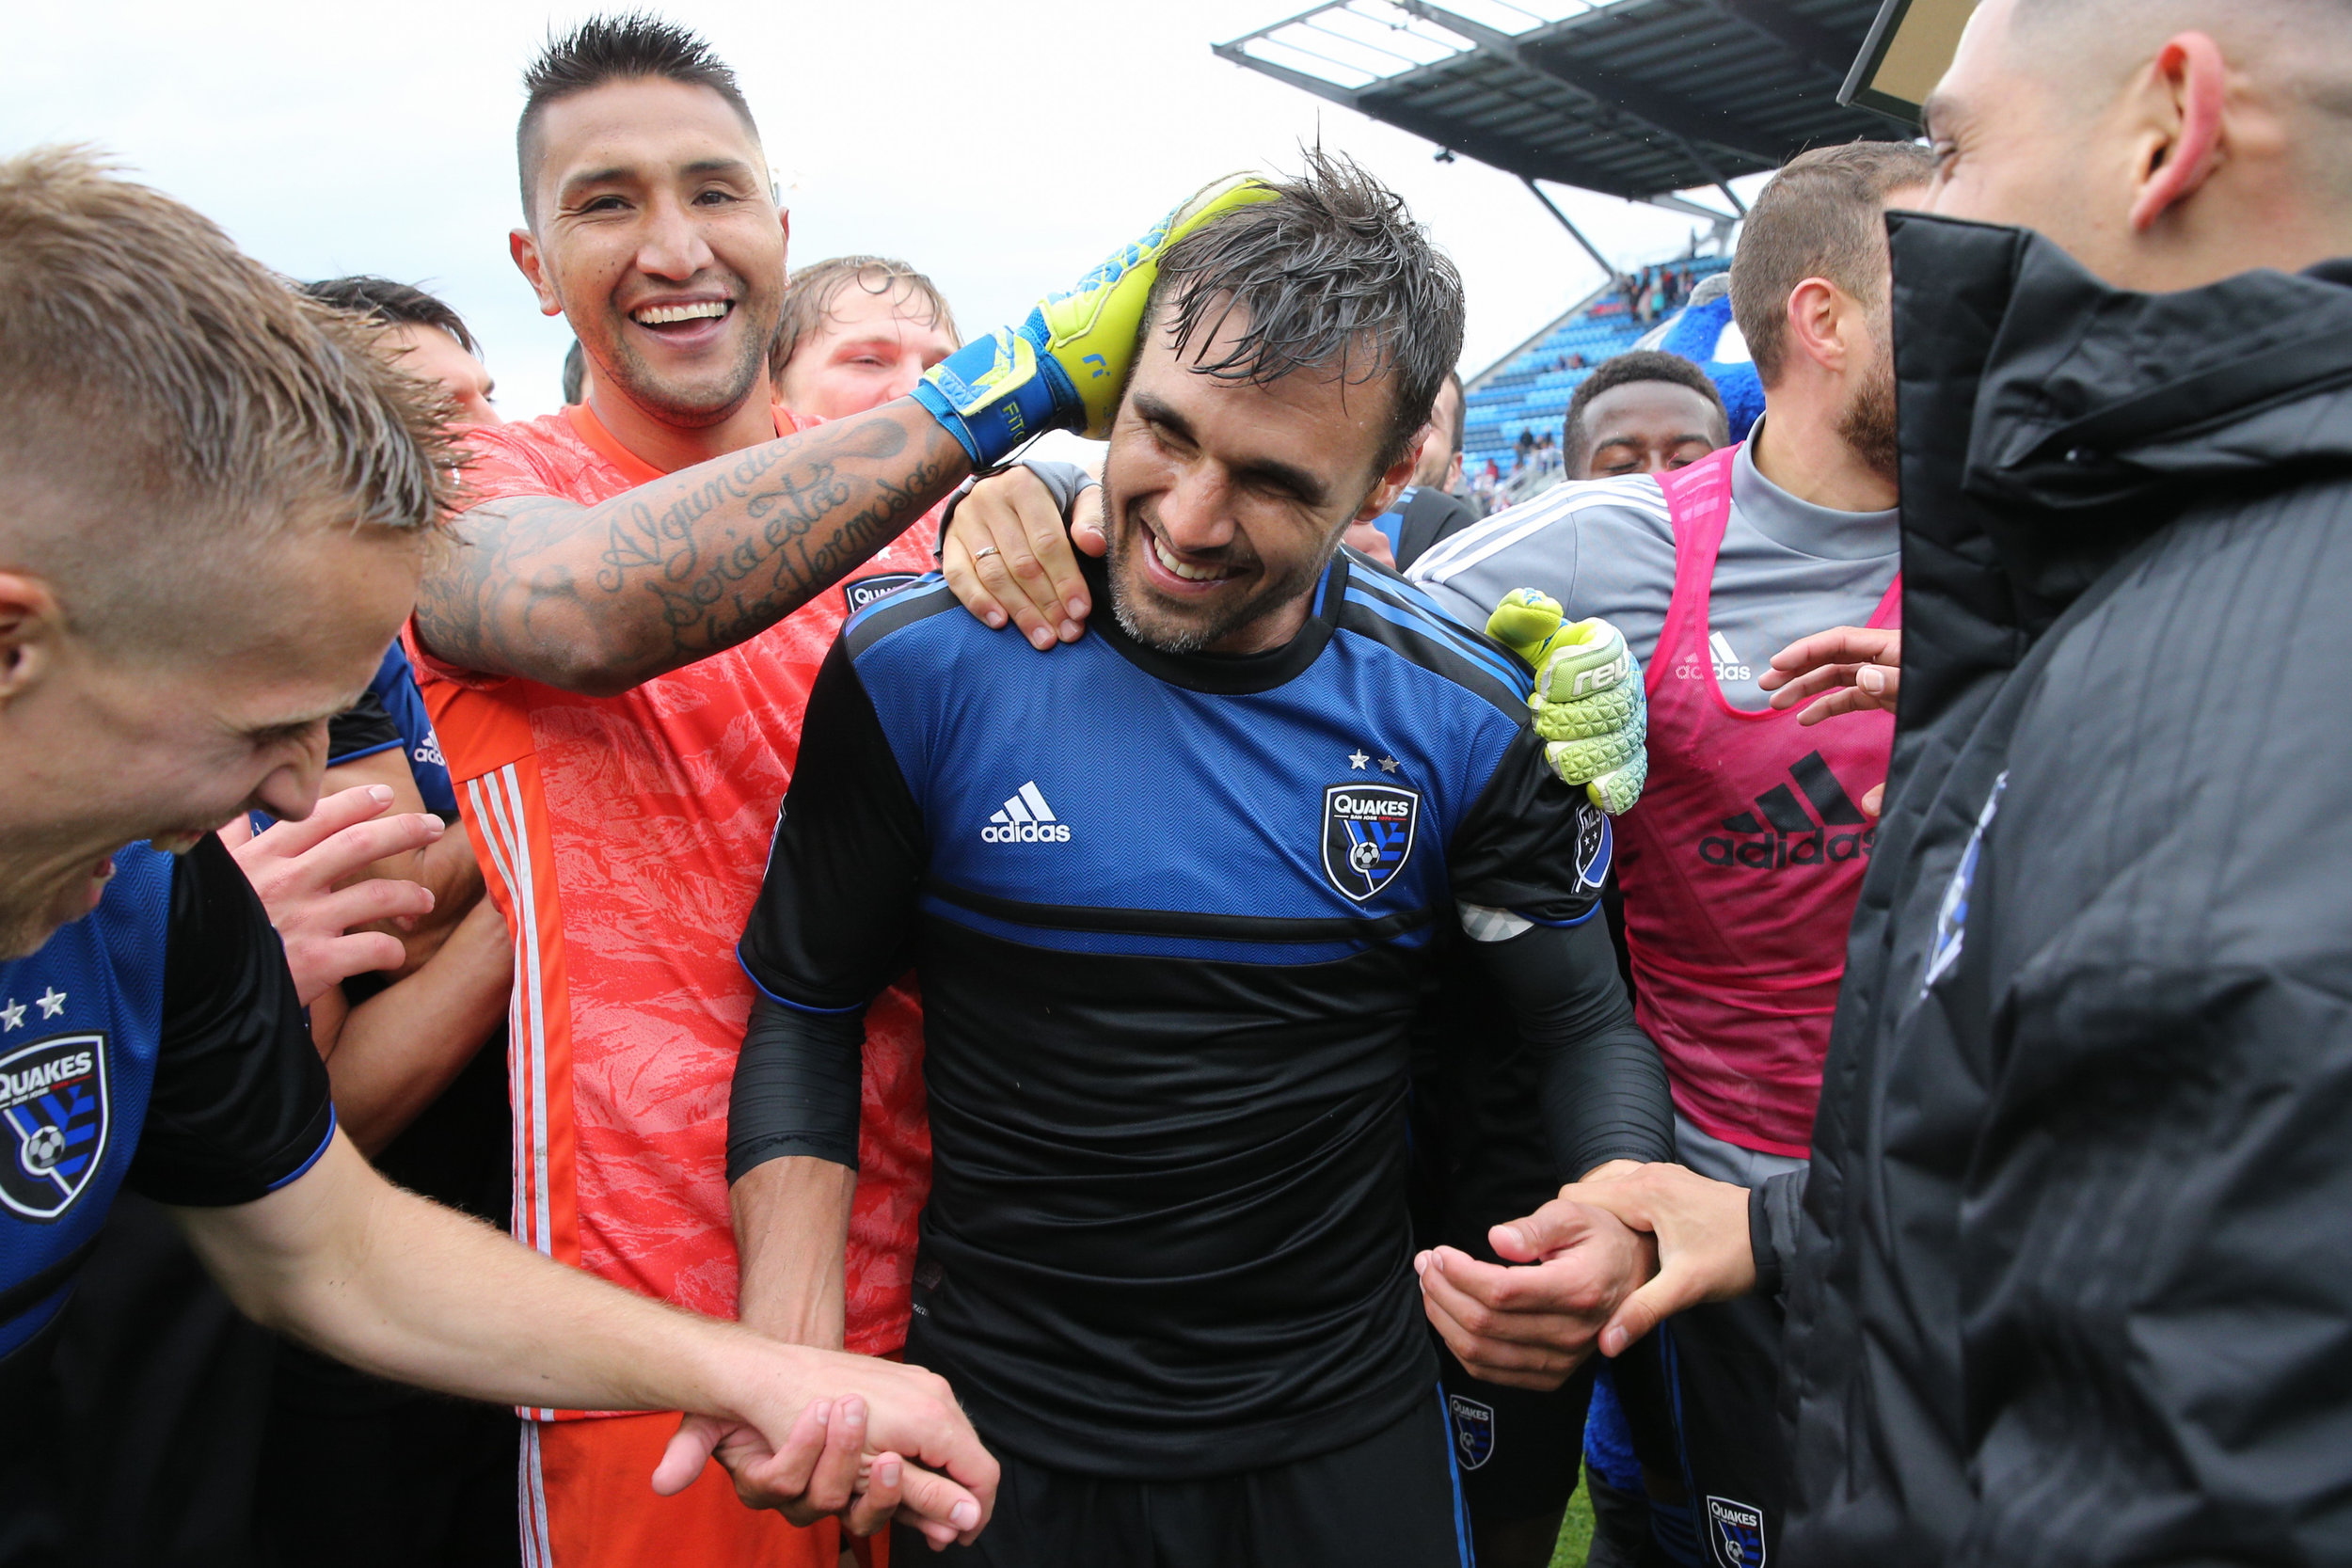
(1780, 834)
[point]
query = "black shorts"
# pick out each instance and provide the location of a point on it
(1389, 1499)
(1518, 1449)
(1700, 1399)
(1724, 1359)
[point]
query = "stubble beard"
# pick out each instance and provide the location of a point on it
(686, 407)
(1184, 636)
(1868, 423)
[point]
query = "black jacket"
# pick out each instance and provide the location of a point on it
(2072, 1279)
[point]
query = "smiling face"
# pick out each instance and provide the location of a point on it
(654, 234)
(1223, 499)
(166, 739)
(867, 349)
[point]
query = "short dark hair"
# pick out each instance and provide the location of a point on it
(631, 46)
(813, 289)
(1820, 216)
(391, 304)
(1333, 273)
(1641, 364)
(575, 372)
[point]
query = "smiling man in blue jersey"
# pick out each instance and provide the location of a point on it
(1173, 896)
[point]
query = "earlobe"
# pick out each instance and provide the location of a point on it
(1813, 321)
(1392, 482)
(2191, 70)
(524, 248)
(30, 622)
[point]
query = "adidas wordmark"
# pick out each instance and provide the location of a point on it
(1025, 819)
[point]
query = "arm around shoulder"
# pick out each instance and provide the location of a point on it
(598, 598)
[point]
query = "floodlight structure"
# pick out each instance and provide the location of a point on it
(1641, 99)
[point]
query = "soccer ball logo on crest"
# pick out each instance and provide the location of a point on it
(43, 1150)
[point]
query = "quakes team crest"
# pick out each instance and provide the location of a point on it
(1367, 836)
(53, 1123)
(1594, 840)
(1473, 1430)
(1737, 1531)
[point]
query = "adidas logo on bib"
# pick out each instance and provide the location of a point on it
(1780, 832)
(1025, 819)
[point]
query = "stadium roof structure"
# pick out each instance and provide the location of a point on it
(1639, 99)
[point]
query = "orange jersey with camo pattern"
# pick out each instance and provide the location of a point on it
(624, 838)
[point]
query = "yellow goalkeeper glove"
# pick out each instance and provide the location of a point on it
(1063, 368)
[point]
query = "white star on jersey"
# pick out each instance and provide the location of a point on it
(12, 1015)
(52, 1001)
(1357, 760)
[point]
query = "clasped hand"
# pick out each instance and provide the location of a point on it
(840, 1455)
(1531, 1321)
(1596, 1268)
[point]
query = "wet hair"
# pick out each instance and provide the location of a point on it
(169, 408)
(1821, 216)
(1331, 274)
(631, 46)
(1641, 364)
(392, 304)
(810, 297)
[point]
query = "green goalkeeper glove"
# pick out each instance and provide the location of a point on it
(1064, 368)
(1589, 704)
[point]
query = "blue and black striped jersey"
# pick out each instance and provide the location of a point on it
(1172, 916)
(156, 1041)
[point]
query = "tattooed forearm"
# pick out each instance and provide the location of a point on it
(597, 598)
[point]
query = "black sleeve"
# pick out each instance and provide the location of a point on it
(1530, 843)
(240, 1106)
(1431, 517)
(831, 928)
(1604, 1088)
(1774, 1208)
(361, 730)
(830, 925)
(796, 1088)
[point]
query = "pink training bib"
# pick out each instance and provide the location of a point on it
(1742, 863)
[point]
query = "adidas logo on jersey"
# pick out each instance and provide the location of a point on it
(1025, 819)
(1780, 832)
(1728, 665)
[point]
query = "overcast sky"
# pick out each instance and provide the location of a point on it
(1001, 148)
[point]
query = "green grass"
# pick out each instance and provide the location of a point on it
(1576, 1533)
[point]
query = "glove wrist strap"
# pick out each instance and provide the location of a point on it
(992, 403)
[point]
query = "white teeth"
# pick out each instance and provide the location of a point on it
(663, 315)
(1190, 574)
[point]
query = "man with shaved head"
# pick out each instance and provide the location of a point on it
(2067, 1274)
